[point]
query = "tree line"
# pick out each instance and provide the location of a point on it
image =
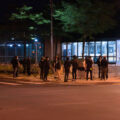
(76, 17)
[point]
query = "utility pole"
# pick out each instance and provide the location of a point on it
(36, 55)
(51, 27)
(24, 35)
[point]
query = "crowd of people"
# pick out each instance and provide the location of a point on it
(16, 64)
(78, 67)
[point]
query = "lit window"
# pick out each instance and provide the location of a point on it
(74, 49)
(64, 49)
(86, 49)
(104, 48)
(98, 48)
(91, 48)
(111, 48)
(80, 47)
(69, 49)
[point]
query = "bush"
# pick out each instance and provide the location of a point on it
(7, 68)
(35, 70)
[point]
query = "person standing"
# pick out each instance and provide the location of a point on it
(104, 65)
(55, 62)
(67, 69)
(24, 65)
(89, 68)
(81, 68)
(54, 67)
(28, 66)
(74, 67)
(46, 68)
(41, 65)
(15, 64)
(99, 66)
(58, 67)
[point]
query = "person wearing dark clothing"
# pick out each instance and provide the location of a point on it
(41, 65)
(74, 67)
(89, 63)
(81, 68)
(55, 62)
(99, 66)
(46, 68)
(24, 65)
(67, 69)
(28, 66)
(57, 65)
(104, 65)
(15, 64)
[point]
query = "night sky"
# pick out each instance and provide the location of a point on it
(7, 7)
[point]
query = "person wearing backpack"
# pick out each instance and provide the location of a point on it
(81, 68)
(67, 69)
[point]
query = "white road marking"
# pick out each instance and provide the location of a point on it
(23, 82)
(8, 83)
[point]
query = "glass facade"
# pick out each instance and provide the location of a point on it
(9, 50)
(104, 48)
(93, 49)
(64, 49)
(69, 49)
(118, 52)
(98, 48)
(74, 49)
(80, 45)
(86, 49)
(111, 48)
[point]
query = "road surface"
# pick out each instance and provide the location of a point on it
(59, 102)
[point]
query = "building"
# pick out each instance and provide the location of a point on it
(104, 47)
(12, 44)
(13, 41)
(10, 49)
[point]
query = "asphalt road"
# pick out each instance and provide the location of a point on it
(83, 102)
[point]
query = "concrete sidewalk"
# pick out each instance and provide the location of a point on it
(52, 81)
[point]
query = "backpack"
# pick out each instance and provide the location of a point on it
(81, 63)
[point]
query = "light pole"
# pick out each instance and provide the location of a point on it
(13, 39)
(51, 29)
(36, 55)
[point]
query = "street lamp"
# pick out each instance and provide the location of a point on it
(13, 39)
(36, 57)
